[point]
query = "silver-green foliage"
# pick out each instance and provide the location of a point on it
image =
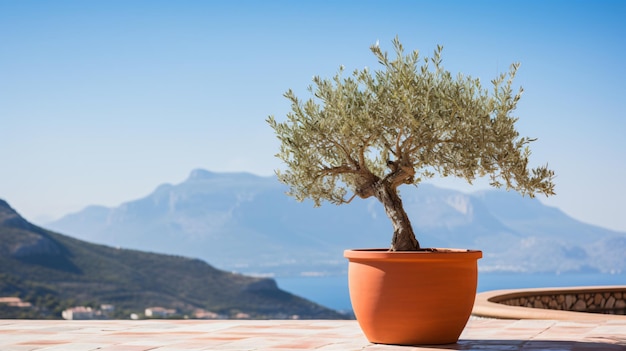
(400, 124)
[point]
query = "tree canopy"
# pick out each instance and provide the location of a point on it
(405, 122)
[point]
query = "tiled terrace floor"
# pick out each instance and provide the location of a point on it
(170, 335)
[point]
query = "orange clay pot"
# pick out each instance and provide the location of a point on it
(414, 297)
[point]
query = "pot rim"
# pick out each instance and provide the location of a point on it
(425, 253)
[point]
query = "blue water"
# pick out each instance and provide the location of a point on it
(332, 291)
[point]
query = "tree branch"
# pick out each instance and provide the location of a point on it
(362, 152)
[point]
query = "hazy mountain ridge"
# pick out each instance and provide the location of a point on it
(53, 271)
(243, 222)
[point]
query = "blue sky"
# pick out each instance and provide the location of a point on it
(102, 101)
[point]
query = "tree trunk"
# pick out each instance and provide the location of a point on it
(403, 235)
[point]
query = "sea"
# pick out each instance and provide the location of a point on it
(332, 291)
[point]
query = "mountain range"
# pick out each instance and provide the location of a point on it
(245, 223)
(51, 272)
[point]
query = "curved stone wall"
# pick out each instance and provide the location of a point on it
(608, 302)
(553, 303)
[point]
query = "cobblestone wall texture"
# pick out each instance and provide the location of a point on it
(607, 302)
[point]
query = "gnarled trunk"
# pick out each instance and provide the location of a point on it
(403, 235)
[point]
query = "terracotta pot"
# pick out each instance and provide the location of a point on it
(415, 297)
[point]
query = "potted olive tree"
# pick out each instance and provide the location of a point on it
(367, 134)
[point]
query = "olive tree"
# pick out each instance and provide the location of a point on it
(366, 134)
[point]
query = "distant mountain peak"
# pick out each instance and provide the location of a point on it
(199, 174)
(10, 218)
(22, 238)
(6, 208)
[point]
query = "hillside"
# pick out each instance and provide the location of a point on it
(54, 271)
(245, 223)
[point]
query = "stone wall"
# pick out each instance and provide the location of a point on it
(607, 302)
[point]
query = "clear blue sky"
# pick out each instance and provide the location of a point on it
(102, 101)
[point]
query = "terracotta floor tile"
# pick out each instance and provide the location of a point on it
(169, 335)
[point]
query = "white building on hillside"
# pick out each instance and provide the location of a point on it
(80, 312)
(159, 312)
